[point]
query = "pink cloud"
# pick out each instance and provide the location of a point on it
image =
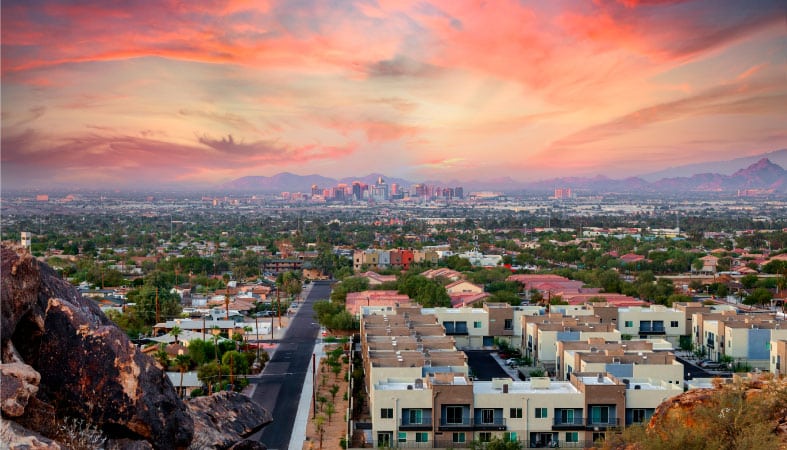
(132, 157)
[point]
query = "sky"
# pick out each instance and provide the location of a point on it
(129, 94)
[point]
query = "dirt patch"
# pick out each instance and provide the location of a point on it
(332, 402)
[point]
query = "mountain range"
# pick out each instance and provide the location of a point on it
(761, 175)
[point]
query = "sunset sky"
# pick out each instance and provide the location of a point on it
(119, 93)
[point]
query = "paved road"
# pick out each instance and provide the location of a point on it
(279, 388)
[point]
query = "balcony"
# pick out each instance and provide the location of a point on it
(602, 424)
(469, 424)
(424, 424)
(653, 330)
(577, 423)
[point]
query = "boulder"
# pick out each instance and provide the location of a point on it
(248, 444)
(223, 419)
(15, 437)
(18, 382)
(89, 369)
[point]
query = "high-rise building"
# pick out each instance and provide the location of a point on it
(316, 190)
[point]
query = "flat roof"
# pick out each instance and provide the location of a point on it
(525, 387)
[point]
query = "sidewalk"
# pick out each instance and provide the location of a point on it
(305, 404)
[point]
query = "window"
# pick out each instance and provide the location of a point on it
(637, 415)
(628, 323)
(386, 413)
(673, 323)
(541, 413)
(572, 436)
(458, 438)
(599, 437)
(567, 416)
(416, 416)
(485, 436)
(402, 436)
(508, 324)
(510, 436)
(515, 413)
(453, 414)
(487, 416)
(461, 327)
(421, 437)
(599, 414)
(477, 324)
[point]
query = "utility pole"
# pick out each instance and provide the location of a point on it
(157, 308)
(257, 328)
(314, 384)
(278, 305)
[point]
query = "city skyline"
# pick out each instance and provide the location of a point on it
(122, 94)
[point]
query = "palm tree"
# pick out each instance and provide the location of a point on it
(161, 356)
(182, 363)
(227, 303)
(175, 332)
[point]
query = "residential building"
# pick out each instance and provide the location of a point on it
(655, 320)
(778, 354)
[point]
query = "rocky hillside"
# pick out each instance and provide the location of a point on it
(741, 414)
(72, 379)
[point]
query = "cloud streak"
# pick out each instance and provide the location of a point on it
(205, 91)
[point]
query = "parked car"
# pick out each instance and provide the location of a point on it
(511, 362)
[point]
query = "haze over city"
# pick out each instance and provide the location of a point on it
(123, 94)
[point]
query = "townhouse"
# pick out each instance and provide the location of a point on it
(743, 337)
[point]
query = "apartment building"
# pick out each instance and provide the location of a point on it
(365, 259)
(655, 320)
(452, 410)
(624, 359)
(778, 357)
(743, 337)
(476, 328)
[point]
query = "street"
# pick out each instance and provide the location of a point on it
(279, 387)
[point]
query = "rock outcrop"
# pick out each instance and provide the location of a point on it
(61, 348)
(223, 419)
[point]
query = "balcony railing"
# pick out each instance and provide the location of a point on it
(578, 422)
(602, 423)
(468, 423)
(424, 424)
(652, 330)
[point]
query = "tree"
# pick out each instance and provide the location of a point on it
(329, 410)
(145, 299)
(759, 296)
(334, 390)
(749, 281)
(496, 444)
(182, 363)
(161, 356)
(319, 426)
(209, 374)
(201, 351)
(175, 332)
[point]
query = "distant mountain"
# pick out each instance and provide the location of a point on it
(720, 167)
(762, 174)
(598, 183)
(277, 183)
(372, 179)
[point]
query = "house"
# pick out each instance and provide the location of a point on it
(375, 279)
(356, 300)
(463, 287)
